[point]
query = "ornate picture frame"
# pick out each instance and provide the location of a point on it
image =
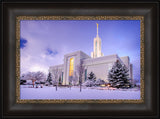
(147, 106)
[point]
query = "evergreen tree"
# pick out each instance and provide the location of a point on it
(92, 76)
(49, 78)
(118, 76)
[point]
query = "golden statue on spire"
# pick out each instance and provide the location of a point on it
(97, 25)
(97, 29)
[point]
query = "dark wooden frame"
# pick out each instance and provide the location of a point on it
(147, 109)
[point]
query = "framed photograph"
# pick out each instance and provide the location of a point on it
(56, 63)
(80, 59)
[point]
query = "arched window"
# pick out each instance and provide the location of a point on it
(62, 76)
(71, 67)
(85, 74)
(96, 45)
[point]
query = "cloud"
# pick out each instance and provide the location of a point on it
(35, 58)
(40, 52)
(51, 52)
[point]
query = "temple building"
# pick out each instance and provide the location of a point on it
(96, 63)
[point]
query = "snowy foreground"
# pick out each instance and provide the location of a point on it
(74, 93)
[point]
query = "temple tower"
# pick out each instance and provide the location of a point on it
(97, 46)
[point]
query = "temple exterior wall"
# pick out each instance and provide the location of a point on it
(99, 66)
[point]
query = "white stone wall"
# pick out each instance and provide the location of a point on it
(99, 66)
(100, 70)
(60, 68)
(126, 61)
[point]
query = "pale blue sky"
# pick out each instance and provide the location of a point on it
(44, 43)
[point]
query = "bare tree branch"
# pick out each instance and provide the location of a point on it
(80, 71)
(56, 73)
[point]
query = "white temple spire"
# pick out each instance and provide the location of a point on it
(97, 46)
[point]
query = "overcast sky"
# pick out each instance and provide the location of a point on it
(44, 43)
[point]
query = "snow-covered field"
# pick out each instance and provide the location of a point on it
(74, 93)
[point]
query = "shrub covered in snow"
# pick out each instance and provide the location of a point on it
(42, 82)
(99, 82)
(88, 83)
(54, 83)
(37, 82)
(22, 82)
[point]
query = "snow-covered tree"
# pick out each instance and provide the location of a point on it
(118, 75)
(40, 76)
(56, 73)
(49, 78)
(99, 82)
(34, 76)
(92, 76)
(70, 81)
(22, 80)
(75, 79)
(80, 72)
(88, 83)
(28, 76)
(90, 80)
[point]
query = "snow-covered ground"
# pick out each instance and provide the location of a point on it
(74, 93)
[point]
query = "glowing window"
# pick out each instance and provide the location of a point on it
(71, 67)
